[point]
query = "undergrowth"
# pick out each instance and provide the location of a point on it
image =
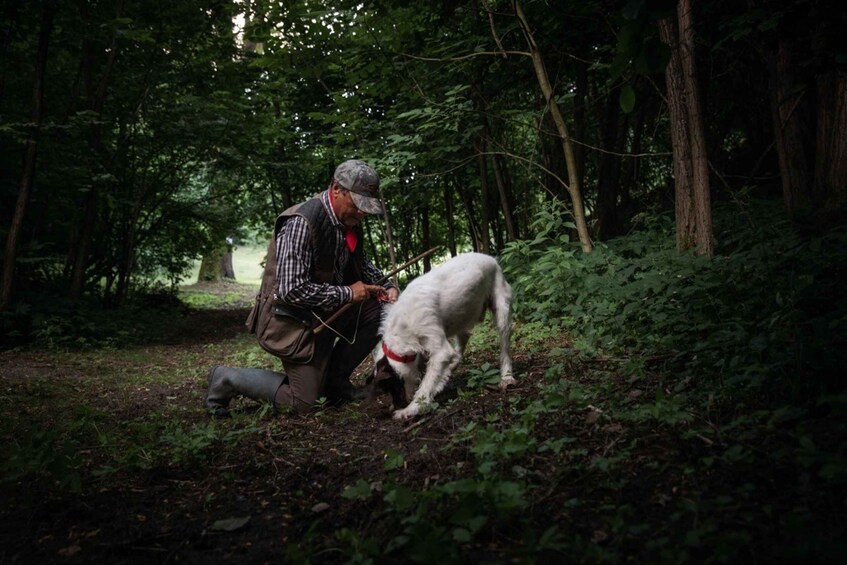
(53, 322)
(714, 412)
(766, 311)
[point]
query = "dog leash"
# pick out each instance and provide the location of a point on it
(336, 332)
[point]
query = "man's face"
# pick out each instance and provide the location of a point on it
(344, 208)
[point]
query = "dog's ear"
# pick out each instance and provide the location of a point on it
(375, 383)
(385, 379)
(382, 371)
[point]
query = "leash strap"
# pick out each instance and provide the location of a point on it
(333, 330)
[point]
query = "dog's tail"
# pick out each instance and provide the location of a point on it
(501, 307)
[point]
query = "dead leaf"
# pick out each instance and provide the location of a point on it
(599, 536)
(70, 550)
(320, 507)
(230, 524)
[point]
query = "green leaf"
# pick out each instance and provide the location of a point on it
(360, 491)
(461, 535)
(400, 498)
(393, 460)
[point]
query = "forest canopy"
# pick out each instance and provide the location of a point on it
(139, 136)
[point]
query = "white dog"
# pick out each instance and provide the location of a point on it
(446, 302)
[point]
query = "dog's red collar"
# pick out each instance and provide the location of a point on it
(399, 358)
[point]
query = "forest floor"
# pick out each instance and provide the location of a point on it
(111, 458)
(95, 490)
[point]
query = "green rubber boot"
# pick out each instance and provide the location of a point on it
(228, 382)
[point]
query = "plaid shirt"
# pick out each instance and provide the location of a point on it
(295, 256)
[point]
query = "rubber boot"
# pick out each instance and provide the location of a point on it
(228, 382)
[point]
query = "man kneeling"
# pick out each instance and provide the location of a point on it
(314, 266)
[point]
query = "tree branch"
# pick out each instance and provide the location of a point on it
(463, 57)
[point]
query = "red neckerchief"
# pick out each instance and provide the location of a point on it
(399, 358)
(349, 235)
(351, 238)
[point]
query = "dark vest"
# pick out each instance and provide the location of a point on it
(323, 244)
(284, 330)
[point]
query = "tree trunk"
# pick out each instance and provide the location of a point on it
(831, 143)
(216, 265)
(375, 257)
(473, 227)
(79, 252)
(704, 240)
(504, 190)
(574, 186)
(451, 220)
(554, 160)
(809, 119)
(632, 167)
(511, 199)
(227, 269)
(485, 220)
(682, 174)
(30, 159)
(792, 128)
(426, 238)
(691, 186)
(125, 267)
(579, 113)
(608, 176)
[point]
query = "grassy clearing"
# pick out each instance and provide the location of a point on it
(218, 295)
(247, 262)
(240, 293)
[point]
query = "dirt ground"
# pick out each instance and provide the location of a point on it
(147, 477)
(253, 501)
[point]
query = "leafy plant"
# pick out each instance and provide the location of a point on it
(482, 376)
(188, 445)
(43, 453)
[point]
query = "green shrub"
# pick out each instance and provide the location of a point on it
(767, 306)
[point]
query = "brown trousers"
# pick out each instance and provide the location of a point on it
(335, 357)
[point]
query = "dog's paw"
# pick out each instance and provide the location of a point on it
(506, 382)
(406, 413)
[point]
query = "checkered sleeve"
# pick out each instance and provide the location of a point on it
(370, 274)
(295, 256)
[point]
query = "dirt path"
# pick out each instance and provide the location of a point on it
(118, 463)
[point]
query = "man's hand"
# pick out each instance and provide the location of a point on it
(388, 295)
(362, 291)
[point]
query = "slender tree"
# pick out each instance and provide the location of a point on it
(808, 94)
(78, 255)
(574, 186)
(29, 168)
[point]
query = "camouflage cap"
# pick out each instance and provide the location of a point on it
(363, 183)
